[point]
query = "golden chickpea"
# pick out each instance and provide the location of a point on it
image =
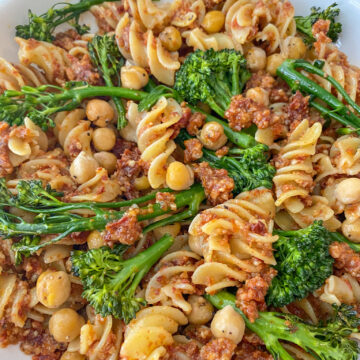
(133, 77)
(142, 183)
(348, 191)
(212, 136)
(256, 59)
(213, 21)
(65, 325)
(100, 112)
(170, 38)
(201, 310)
(95, 240)
(259, 95)
(179, 176)
(53, 288)
(273, 62)
(227, 323)
(104, 139)
(67, 355)
(351, 230)
(107, 160)
(83, 168)
(295, 47)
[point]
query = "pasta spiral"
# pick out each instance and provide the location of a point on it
(248, 20)
(15, 299)
(48, 57)
(147, 336)
(173, 279)
(152, 131)
(13, 77)
(294, 176)
(341, 290)
(146, 50)
(26, 142)
(230, 236)
(100, 337)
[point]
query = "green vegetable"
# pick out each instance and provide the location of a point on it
(249, 167)
(212, 77)
(106, 56)
(328, 341)
(41, 27)
(304, 24)
(335, 236)
(330, 106)
(303, 264)
(57, 217)
(40, 103)
(243, 139)
(110, 282)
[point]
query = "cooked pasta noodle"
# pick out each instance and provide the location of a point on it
(293, 180)
(147, 336)
(153, 133)
(146, 50)
(171, 280)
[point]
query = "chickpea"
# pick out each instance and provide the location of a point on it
(212, 135)
(201, 312)
(65, 325)
(273, 62)
(104, 139)
(83, 168)
(95, 240)
(107, 160)
(134, 77)
(348, 191)
(213, 21)
(259, 95)
(67, 355)
(295, 47)
(170, 38)
(351, 230)
(142, 183)
(256, 59)
(179, 176)
(100, 112)
(229, 324)
(53, 288)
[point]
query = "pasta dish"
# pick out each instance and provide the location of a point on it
(182, 183)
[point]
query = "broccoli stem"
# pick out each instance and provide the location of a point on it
(67, 223)
(297, 81)
(141, 264)
(335, 236)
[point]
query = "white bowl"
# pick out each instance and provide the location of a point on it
(14, 12)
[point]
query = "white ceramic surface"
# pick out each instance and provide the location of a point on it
(13, 12)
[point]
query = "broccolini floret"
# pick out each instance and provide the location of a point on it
(212, 77)
(41, 27)
(303, 264)
(106, 57)
(328, 341)
(110, 282)
(345, 112)
(249, 168)
(52, 216)
(304, 24)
